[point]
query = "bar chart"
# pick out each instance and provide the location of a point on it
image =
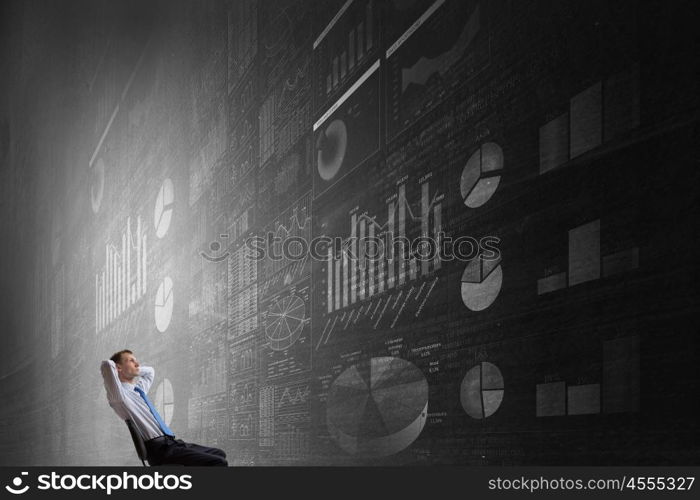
(603, 111)
(618, 392)
(356, 275)
(344, 46)
(123, 278)
(585, 262)
(385, 267)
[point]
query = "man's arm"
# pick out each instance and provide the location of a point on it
(114, 388)
(146, 376)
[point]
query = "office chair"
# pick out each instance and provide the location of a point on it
(138, 441)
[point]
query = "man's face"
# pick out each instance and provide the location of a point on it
(128, 367)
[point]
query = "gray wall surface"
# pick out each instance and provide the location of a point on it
(143, 144)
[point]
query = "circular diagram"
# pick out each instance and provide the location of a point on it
(165, 401)
(481, 283)
(377, 408)
(163, 211)
(481, 175)
(482, 391)
(285, 322)
(331, 146)
(164, 304)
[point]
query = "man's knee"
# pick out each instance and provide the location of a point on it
(216, 457)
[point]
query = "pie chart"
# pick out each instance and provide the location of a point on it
(481, 175)
(97, 185)
(285, 322)
(481, 283)
(165, 401)
(482, 391)
(164, 304)
(331, 146)
(378, 407)
(163, 212)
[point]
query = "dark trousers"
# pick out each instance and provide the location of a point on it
(165, 450)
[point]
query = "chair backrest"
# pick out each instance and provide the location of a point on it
(138, 441)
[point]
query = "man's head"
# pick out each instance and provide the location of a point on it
(127, 365)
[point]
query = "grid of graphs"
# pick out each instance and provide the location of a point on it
(357, 232)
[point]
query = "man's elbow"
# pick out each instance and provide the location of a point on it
(106, 364)
(119, 409)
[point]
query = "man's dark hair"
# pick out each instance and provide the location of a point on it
(117, 356)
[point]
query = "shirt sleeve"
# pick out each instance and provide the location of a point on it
(114, 388)
(146, 376)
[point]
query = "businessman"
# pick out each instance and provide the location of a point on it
(127, 384)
